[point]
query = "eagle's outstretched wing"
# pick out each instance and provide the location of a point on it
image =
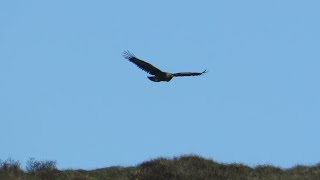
(141, 64)
(189, 73)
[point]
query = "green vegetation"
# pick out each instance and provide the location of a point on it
(180, 168)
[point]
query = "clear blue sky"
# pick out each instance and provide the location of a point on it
(67, 94)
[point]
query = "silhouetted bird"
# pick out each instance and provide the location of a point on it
(158, 74)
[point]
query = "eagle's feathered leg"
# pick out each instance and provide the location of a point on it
(154, 78)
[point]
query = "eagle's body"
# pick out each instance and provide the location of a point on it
(158, 75)
(161, 77)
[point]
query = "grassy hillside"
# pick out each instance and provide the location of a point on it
(181, 168)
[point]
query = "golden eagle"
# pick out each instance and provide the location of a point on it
(158, 74)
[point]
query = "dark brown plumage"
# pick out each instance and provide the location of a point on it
(158, 74)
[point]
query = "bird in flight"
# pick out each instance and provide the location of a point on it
(158, 75)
